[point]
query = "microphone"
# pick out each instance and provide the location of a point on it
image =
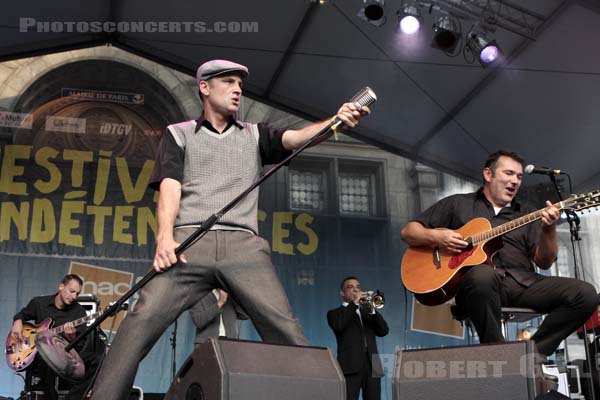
(364, 97)
(532, 169)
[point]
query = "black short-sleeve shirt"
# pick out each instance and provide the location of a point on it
(519, 245)
(42, 307)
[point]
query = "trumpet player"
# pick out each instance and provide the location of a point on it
(355, 324)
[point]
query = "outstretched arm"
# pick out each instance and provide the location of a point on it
(348, 113)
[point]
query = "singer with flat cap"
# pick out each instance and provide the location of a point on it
(201, 165)
(483, 290)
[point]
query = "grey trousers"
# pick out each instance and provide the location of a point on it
(238, 262)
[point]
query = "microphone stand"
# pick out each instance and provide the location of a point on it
(205, 227)
(574, 226)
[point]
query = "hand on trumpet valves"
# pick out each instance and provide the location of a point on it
(372, 301)
(359, 297)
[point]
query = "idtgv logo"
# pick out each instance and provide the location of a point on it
(108, 128)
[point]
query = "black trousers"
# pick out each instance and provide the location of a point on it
(48, 380)
(567, 302)
(371, 386)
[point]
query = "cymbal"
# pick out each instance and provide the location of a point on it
(67, 365)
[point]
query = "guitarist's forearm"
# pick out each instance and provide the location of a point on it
(547, 248)
(17, 328)
(416, 234)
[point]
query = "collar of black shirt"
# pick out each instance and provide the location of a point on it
(51, 303)
(514, 205)
(202, 121)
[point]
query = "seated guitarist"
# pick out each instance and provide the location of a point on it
(63, 309)
(483, 290)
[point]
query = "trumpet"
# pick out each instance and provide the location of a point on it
(373, 300)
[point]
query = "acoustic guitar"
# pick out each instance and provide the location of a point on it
(433, 274)
(20, 354)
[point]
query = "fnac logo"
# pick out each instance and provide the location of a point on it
(106, 284)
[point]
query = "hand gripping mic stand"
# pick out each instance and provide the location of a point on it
(63, 359)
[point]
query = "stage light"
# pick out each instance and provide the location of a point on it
(487, 51)
(447, 34)
(373, 12)
(409, 18)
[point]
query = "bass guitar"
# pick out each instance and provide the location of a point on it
(433, 274)
(20, 354)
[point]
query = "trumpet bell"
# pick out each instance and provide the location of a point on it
(378, 301)
(374, 300)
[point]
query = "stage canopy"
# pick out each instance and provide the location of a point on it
(542, 100)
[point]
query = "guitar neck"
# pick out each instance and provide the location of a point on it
(77, 322)
(511, 225)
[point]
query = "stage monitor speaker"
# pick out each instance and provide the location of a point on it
(510, 370)
(224, 369)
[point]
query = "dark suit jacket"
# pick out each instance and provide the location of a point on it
(205, 315)
(346, 325)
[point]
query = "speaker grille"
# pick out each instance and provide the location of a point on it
(498, 371)
(222, 369)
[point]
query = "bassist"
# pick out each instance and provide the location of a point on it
(483, 290)
(62, 307)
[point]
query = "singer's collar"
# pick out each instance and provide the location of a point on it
(202, 121)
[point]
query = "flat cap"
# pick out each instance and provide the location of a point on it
(212, 68)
